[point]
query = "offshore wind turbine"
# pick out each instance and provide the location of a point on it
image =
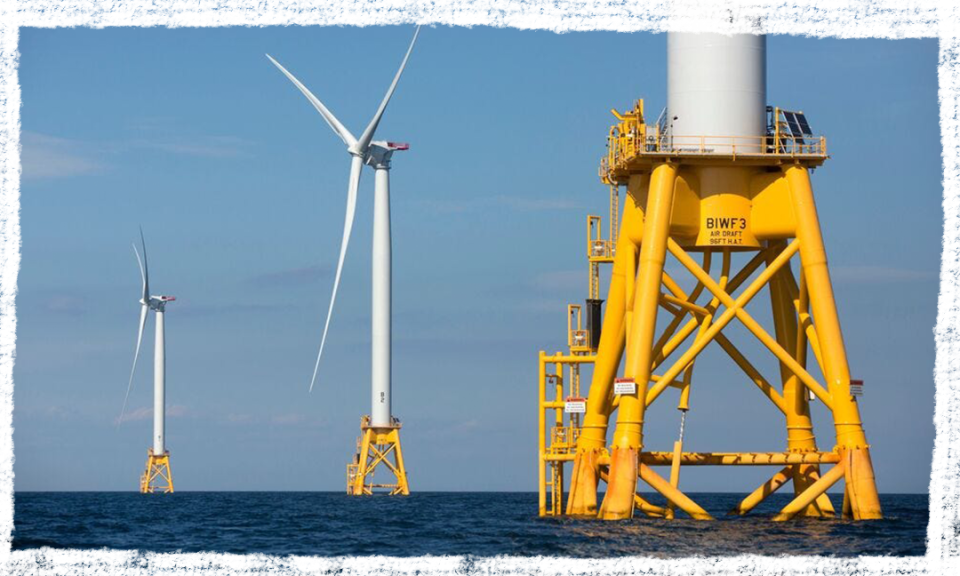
(157, 476)
(379, 431)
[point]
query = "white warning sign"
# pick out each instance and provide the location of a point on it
(856, 387)
(574, 405)
(624, 386)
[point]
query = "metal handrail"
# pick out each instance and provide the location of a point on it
(623, 146)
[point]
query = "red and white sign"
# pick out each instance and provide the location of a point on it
(624, 386)
(856, 387)
(575, 405)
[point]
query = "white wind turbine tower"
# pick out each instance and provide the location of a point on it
(157, 477)
(380, 432)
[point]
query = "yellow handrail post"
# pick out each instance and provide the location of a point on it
(542, 433)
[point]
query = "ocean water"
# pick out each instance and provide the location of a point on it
(439, 523)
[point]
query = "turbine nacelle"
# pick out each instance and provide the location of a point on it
(380, 152)
(158, 302)
(377, 144)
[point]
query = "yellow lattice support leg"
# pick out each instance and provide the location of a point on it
(800, 437)
(401, 471)
(592, 441)
(861, 488)
(628, 438)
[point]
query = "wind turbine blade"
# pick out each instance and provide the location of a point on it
(355, 168)
(145, 295)
(144, 269)
(331, 120)
(367, 135)
(143, 320)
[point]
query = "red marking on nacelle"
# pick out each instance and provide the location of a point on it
(168, 298)
(398, 145)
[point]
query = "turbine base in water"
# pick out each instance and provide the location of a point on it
(157, 477)
(713, 203)
(375, 446)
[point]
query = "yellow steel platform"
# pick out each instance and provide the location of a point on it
(713, 197)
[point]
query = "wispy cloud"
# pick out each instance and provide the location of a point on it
(198, 146)
(522, 204)
(48, 157)
(194, 310)
(879, 274)
(67, 304)
(165, 134)
(288, 419)
(292, 276)
(560, 280)
(145, 413)
(503, 201)
(45, 157)
(465, 426)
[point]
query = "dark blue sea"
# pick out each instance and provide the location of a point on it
(438, 523)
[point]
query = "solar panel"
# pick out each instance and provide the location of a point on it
(804, 126)
(787, 116)
(794, 126)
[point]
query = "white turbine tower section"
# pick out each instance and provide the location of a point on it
(377, 154)
(716, 87)
(158, 305)
(159, 385)
(381, 341)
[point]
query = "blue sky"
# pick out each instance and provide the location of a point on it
(240, 189)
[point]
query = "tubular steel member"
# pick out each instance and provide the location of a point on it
(764, 490)
(593, 435)
(800, 436)
(861, 487)
(628, 438)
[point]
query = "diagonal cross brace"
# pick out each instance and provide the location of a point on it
(734, 308)
(381, 457)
